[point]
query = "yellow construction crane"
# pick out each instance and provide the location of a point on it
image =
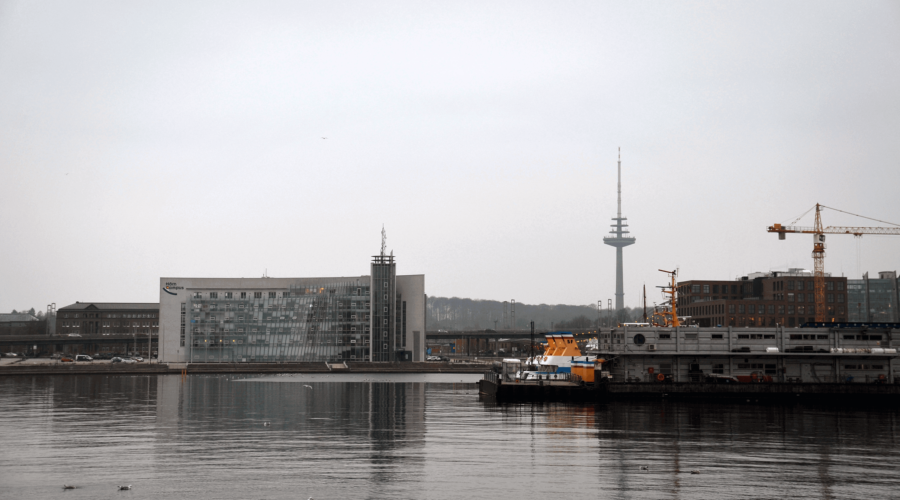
(668, 318)
(818, 252)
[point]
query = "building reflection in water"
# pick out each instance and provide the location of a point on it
(371, 431)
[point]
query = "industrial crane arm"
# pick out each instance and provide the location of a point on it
(857, 231)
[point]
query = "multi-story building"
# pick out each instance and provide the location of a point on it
(874, 300)
(761, 299)
(108, 318)
(380, 317)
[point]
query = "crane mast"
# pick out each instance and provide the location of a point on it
(818, 255)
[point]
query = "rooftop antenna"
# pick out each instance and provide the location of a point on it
(383, 240)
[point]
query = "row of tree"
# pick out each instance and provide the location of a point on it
(456, 313)
(39, 314)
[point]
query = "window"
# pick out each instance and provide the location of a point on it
(840, 298)
(840, 286)
(665, 335)
(257, 295)
(272, 295)
(715, 288)
(830, 297)
(829, 285)
(791, 310)
(790, 285)
(385, 285)
(717, 336)
(751, 309)
(695, 288)
(800, 310)
(705, 288)
(197, 295)
(731, 308)
(228, 295)
(690, 336)
(771, 308)
(286, 294)
(214, 295)
(718, 368)
(799, 285)
(733, 288)
(741, 309)
(801, 297)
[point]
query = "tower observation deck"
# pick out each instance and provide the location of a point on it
(620, 240)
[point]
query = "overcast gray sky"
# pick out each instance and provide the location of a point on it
(148, 139)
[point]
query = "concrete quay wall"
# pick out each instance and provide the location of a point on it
(828, 392)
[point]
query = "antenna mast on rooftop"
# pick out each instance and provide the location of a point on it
(383, 240)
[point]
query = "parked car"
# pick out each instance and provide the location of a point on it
(65, 359)
(74, 335)
(83, 357)
(718, 378)
(432, 358)
(445, 358)
(137, 358)
(11, 355)
(116, 360)
(128, 360)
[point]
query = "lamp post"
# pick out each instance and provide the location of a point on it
(609, 313)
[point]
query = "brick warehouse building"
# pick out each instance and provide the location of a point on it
(760, 299)
(108, 318)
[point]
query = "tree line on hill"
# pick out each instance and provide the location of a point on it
(39, 314)
(454, 313)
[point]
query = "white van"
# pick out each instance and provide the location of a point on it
(83, 357)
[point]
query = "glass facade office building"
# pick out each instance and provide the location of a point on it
(379, 318)
(874, 300)
(329, 322)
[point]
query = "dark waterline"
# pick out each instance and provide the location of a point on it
(362, 436)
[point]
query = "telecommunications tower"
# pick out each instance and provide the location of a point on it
(619, 240)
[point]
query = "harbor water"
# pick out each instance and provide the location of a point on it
(420, 436)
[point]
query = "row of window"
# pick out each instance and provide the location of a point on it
(772, 308)
(772, 321)
(272, 295)
(798, 285)
(111, 315)
(107, 324)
